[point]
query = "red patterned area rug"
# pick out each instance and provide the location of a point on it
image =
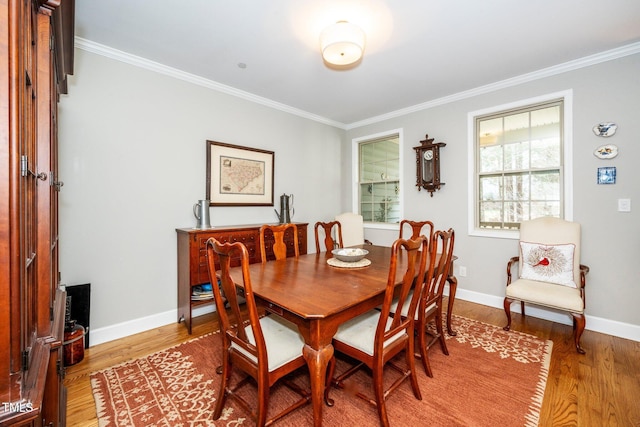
(491, 378)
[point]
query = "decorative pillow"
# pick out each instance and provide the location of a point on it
(548, 263)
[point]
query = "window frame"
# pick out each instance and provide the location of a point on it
(566, 167)
(355, 180)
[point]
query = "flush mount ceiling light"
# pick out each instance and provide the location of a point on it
(342, 43)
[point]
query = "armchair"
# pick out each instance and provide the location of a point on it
(352, 229)
(549, 271)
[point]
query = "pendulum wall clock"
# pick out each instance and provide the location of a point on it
(428, 165)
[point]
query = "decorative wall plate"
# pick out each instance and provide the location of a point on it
(605, 129)
(606, 151)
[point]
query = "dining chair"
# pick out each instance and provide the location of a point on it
(352, 229)
(264, 348)
(329, 242)
(550, 272)
(430, 305)
(278, 247)
(376, 337)
(416, 228)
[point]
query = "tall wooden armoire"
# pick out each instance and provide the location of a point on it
(36, 55)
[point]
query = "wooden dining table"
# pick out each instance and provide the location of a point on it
(318, 298)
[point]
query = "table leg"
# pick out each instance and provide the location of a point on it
(453, 286)
(317, 360)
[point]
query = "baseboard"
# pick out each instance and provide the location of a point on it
(130, 327)
(124, 329)
(597, 324)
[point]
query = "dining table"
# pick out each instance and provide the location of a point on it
(318, 298)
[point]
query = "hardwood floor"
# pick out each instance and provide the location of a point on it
(600, 388)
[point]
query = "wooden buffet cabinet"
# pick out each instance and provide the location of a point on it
(192, 265)
(36, 55)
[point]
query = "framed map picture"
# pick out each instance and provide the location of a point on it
(239, 176)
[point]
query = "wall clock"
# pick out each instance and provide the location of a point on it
(428, 165)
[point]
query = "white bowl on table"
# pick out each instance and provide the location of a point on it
(349, 254)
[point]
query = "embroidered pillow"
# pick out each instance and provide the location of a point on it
(548, 263)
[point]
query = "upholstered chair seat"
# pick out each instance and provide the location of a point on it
(545, 294)
(282, 340)
(360, 332)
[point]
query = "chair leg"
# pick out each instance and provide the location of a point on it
(579, 323)
(507, 311)
(411, 363)
(222, 391)
(378, 389)
(263, 403)
(440, 330)
(424, 349)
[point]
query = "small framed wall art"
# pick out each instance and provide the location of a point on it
(607, 175)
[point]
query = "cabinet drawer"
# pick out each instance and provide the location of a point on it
(248, 238)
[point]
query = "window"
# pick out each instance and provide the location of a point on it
(378, 178)
(520, 165)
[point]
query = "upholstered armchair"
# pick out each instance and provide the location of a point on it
(549, 271)
(352, 229)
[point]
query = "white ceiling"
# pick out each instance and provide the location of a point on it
(417, 51)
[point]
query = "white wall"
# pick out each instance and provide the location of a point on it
(611, 240)
(132, 158)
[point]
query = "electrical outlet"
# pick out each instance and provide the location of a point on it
(624, 205)
(462, 271)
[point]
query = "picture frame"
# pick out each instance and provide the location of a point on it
(239, 176)
(607, 175)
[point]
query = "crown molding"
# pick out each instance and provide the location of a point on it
(587, 61)
(137, 61)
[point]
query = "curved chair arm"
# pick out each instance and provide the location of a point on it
(584, 270)
(512, 261)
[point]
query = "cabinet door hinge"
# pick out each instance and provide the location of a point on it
(60, 368)
(25, 360)
(24, 166)
(25, 171)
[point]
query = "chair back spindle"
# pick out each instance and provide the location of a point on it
(329, 242)
(279, 247)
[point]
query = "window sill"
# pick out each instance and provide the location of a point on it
(381, 226)
(498, 234)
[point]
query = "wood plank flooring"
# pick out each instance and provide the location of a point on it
(600, 388)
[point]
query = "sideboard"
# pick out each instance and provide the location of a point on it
(192, 263)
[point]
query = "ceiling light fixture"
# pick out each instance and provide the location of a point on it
(342, 43)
